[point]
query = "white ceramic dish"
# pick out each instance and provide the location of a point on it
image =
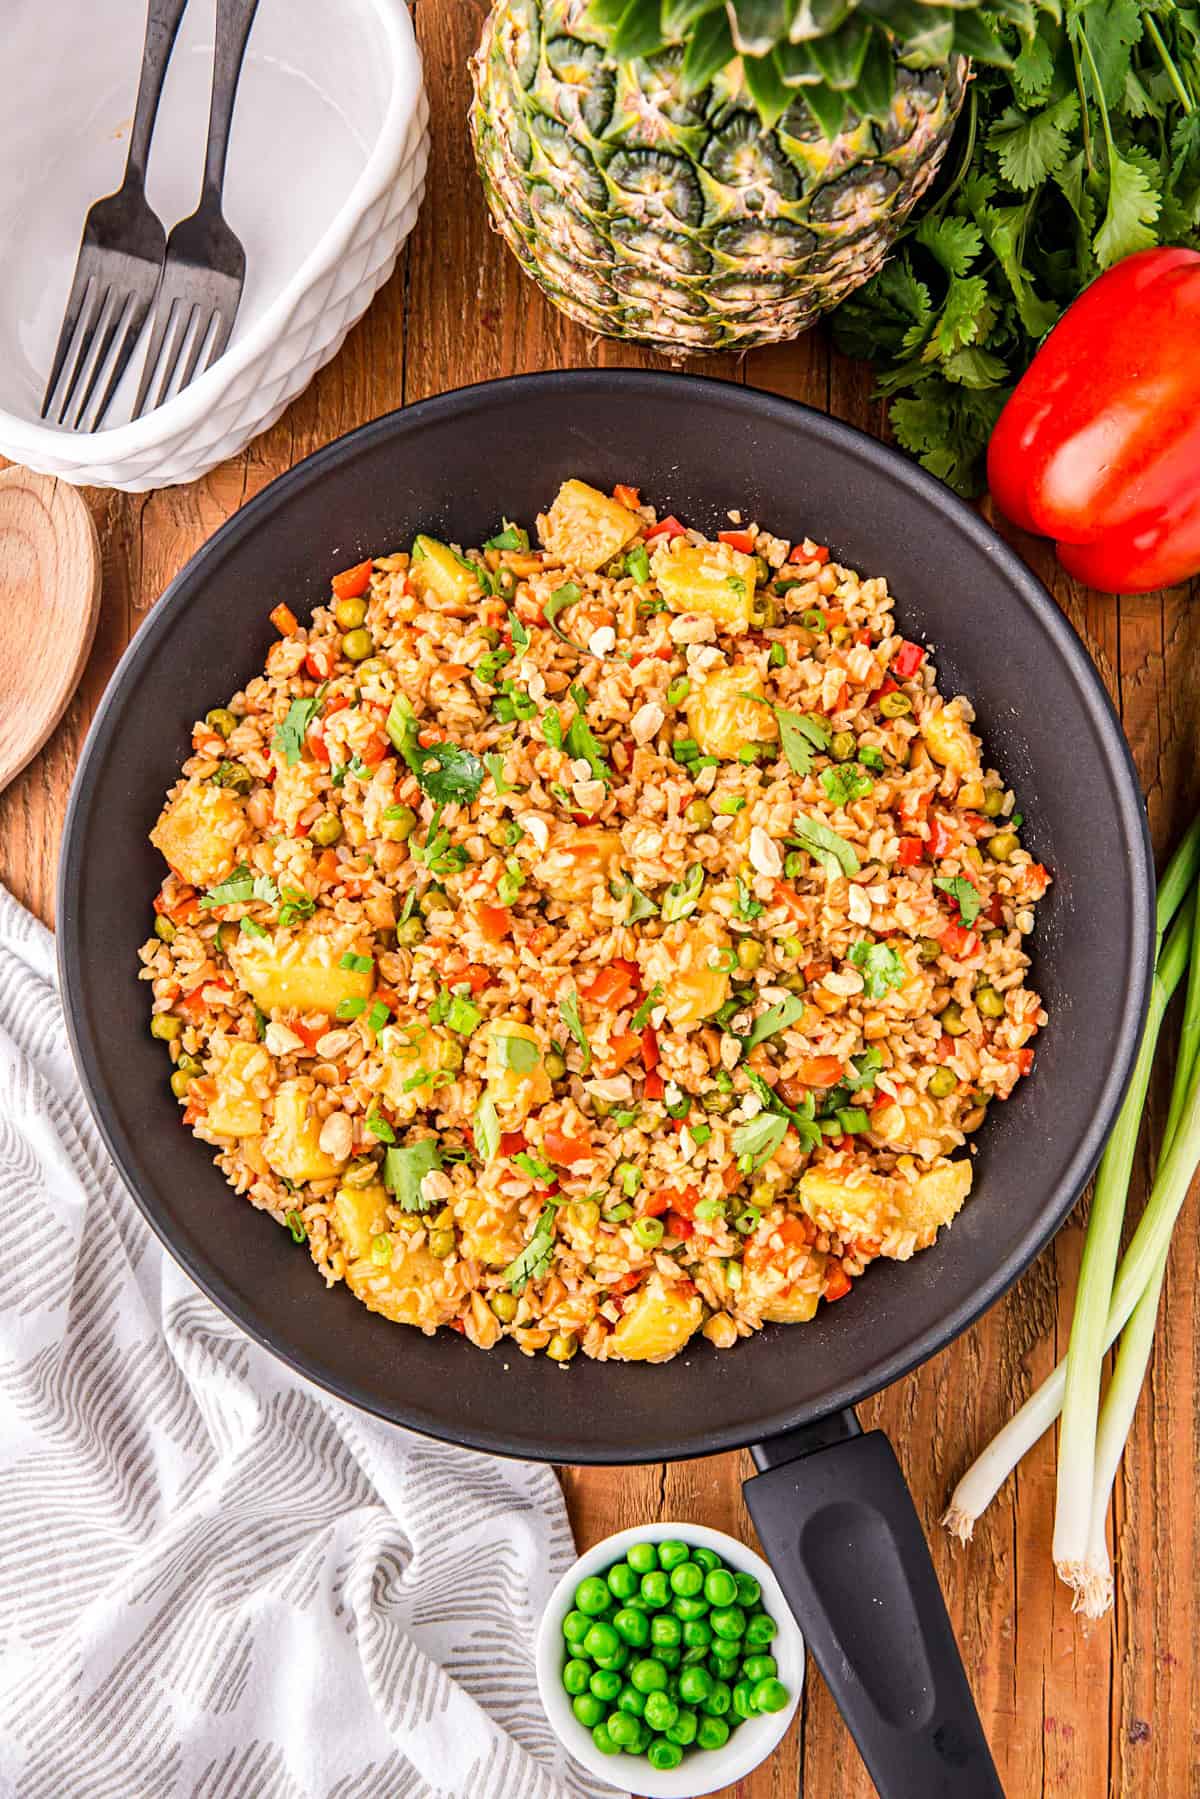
(326, 172)
(699, 1772)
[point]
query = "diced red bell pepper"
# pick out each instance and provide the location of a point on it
(320, 659)
(680, 1227)
(837, 1283)
(911, 851)
(494, 921)
(311, 1034)
(513, 1143)
(788, 898)
(683, 1200)
(738, 540)
(615, 986)
(563, 1150)
(907, 660)
(650, 1047)
(941, 839)
(655, 1204)
(886, 686)
(995, 911)
(959, 942)
(353, 581)
(666, 527)
(654, 1087)
(1025, 1060)
(627, 496)
(818, 553)
(732, 1177)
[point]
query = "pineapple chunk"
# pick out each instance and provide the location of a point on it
(709, 578)
(438, 575)
(585, 527)
(292, 1145)
(587, 859)
(657, 1322)
(300, 970)
(411, 1047)
(411, 1288)
(691, 970)
(199, 832)
(791, 1306)
(853, 1208)
(360, 1214)
(935, 1199)
(514, 1087)
(236, 1110)
(949, 741)
(918, 1126)
(491, 1227)
(723, 719)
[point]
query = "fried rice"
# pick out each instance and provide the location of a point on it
(594, 944)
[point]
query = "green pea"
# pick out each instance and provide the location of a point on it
(327, 830)
(592, 1596)
(666, 1632)
(928, 950)
(222, 721)
(699, 813)
(712, 1733)
(165, 1026)
(764, 612)
(350, 614)
(661, 1712)
(181, 1080)
(623, 1729)
(618, 1660)
(748, 1590)
(642, 1557)
(724, 1667)
(358, 645)
(688, 1607)
(750, 953)
(563, 1344)
(601, 1639)
(632, 1627)
(683, 1731)
(408, 932)
(606, 1684)
(441, 1244)
(670, 1658)
(707, 1558)
(697, 1654)
(235, 776)
(988, 1001)
(942, 1083)
(720, 1588)
(631, 1701)
(1001, 846)
(719, 1700)
(655, 1590)
(672, 1554)
(742, 1701)
(695, 1684)
(687, 1579)
(770, 1696)
(622, 1580)
(842, 745)
(648, 1675)
(588, 1709)
(951, 1019)
(760, 1629)
(604, 1740)
(636, 1603)
(575, 1676)
(576, 1626)
(759, 1667)
(895, 705)
(993, 803)
(554, 1064)
(164, 930)
(664, 1754)
(728, 1622)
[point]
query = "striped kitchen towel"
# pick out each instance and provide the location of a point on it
(216, 1582)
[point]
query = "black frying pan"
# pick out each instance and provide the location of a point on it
(829, 1505)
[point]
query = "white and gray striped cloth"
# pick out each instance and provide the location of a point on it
(215, 1582)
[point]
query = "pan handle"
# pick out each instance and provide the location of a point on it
(838, 1525)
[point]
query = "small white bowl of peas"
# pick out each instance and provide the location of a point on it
(668, 1661)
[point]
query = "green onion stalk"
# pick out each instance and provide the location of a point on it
(1090, 1449)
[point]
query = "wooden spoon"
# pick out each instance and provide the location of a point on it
(49, 604)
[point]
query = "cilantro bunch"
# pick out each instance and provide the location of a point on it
(1081, 151)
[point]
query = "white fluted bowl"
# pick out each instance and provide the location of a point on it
(326, 173)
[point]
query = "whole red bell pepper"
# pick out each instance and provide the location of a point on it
(1099, 447)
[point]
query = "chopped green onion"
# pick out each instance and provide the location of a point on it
(350, 1008)
(649, 1231)
(355, 963)
(296, 1225)
(678, 691)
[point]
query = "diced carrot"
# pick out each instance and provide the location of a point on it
(615, 985)
(786, 896)
(627, 496)
(863, 637)
(738, 540)
(837, 1283)
(683, 1200)
(796, 1235)
(327, 865)
(959, 942)
(732, 1177)
(353, 581)
(836, 615)
(284, 621)
(375, 749)
(207, 743)
(819, 1071)
(623, 1048)
(666, 527)
(563, 1150)
(320, 659)
(815, 971)
(453, 671)
(494, 921)
(1025, 1060)
(478, 978)
(655, 1204)
(625, 1283)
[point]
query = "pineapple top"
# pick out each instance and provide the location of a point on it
(840, 54)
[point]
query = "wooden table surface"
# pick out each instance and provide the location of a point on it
(1114, 1710)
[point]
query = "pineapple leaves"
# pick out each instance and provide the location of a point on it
(708, 52)
(639, 32)
(1079, 144)
(767, 89)
(758, 25)
(840, 58)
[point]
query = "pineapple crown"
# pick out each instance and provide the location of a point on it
(839, 54)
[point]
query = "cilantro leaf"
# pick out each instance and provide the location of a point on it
(756, 1141)
(964, 893)
(1032, 146)
(800, 1117)
(535, 1258)
(641, 1017)
(581, 743)
(494, 763)
(240, 888)
(568, 1011)
(1133, 206)
(448, 773)
(640, 906)
(880, 966)
(800, 734)
(777, 1019)
(953, 241)
(517, 1053)
(745, 904)
(289, 738)
(405, 1168)
(832, 852)
(682, 897)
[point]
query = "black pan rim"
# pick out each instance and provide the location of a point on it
(882, 463)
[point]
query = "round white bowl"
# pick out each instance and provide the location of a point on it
(326, 173)
(702, 1771)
